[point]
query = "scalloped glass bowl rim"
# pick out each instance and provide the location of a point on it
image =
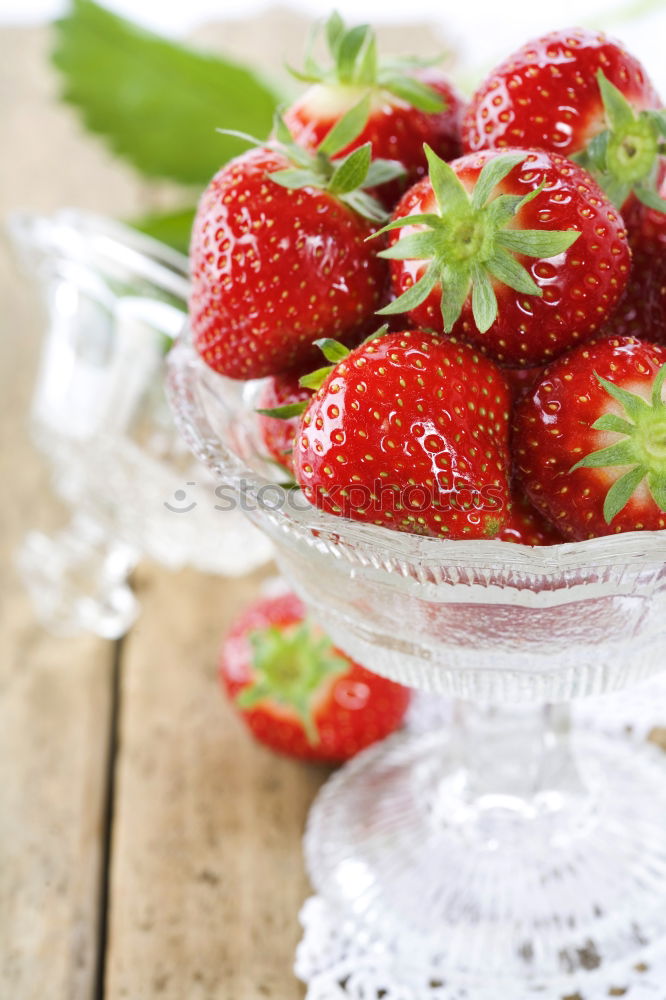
(187, 372)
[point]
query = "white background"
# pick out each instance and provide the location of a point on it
(484, 30)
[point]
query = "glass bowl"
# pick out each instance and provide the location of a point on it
(528, 858)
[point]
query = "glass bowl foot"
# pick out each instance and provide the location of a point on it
(517, 894)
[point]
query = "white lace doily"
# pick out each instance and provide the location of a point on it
(339, 959)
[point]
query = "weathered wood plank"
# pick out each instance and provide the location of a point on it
(54, 693)
(207, 875)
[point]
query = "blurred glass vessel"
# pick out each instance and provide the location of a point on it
(114, 302)
(530, 863)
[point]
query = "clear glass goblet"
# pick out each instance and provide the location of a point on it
(114, 301)
(527, 856)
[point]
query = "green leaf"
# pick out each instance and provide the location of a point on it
(484, 300)
(455, 290)
(507, 270)
(658, 118)
(622, 453)
(650, 198)
(156, 102)
(542, 243)
(335, 30)
(350, 173)
(294, 179)
(253, 694)
(285, 412)
(634, 405)
(619, 111)
(414, 296)
(503, 208)
(657, 487)
(347, 128)
(492, 174)
(657, 389)
(172, 228)
(450, 194)
(303, 76)
(595, 154)
(621, 492)
(314, 379)
(616, 190)
(366, 64)
(417, 94)
(415, 246)
(611, 422)
(381, 171)
(365, 205)
(332, 350)
(426, 219)
(348, 50)
(381, 332)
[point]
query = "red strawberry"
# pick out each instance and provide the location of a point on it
(519, 253)
(279, 257)
(526, 526)
(642, 310)
(280, 405)
(590, 439)
(522, 379)
(297, 693)
(403, 102)
(409, 431)
(580, 94)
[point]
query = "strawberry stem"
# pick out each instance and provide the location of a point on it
(625, 157)
(642, 448)
(466, 244)
(289, 667)
(355, 63)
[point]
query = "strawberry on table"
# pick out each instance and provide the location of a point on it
(581, 94)
(279, 255)
(406, 103)
(590, 439)
(408, 431)
(298, 693)
(519, 253)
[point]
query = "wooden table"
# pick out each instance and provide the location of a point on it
(148, 848)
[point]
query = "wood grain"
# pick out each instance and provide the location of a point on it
(207, 876)
(54, 693)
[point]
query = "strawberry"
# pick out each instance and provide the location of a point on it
(408, 431)
(522, 379)
(642, 310)
(526, 526)
(279, 409)
(278, 254)
(580, 94)
(519, 253)
(405, 104)
(297, 693)
(590, 439)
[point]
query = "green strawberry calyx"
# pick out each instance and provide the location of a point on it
(334, 352)
(356, 65)
(290, 665)
(468, 243)
(346, 177)
(625, 157)
(642, 447)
